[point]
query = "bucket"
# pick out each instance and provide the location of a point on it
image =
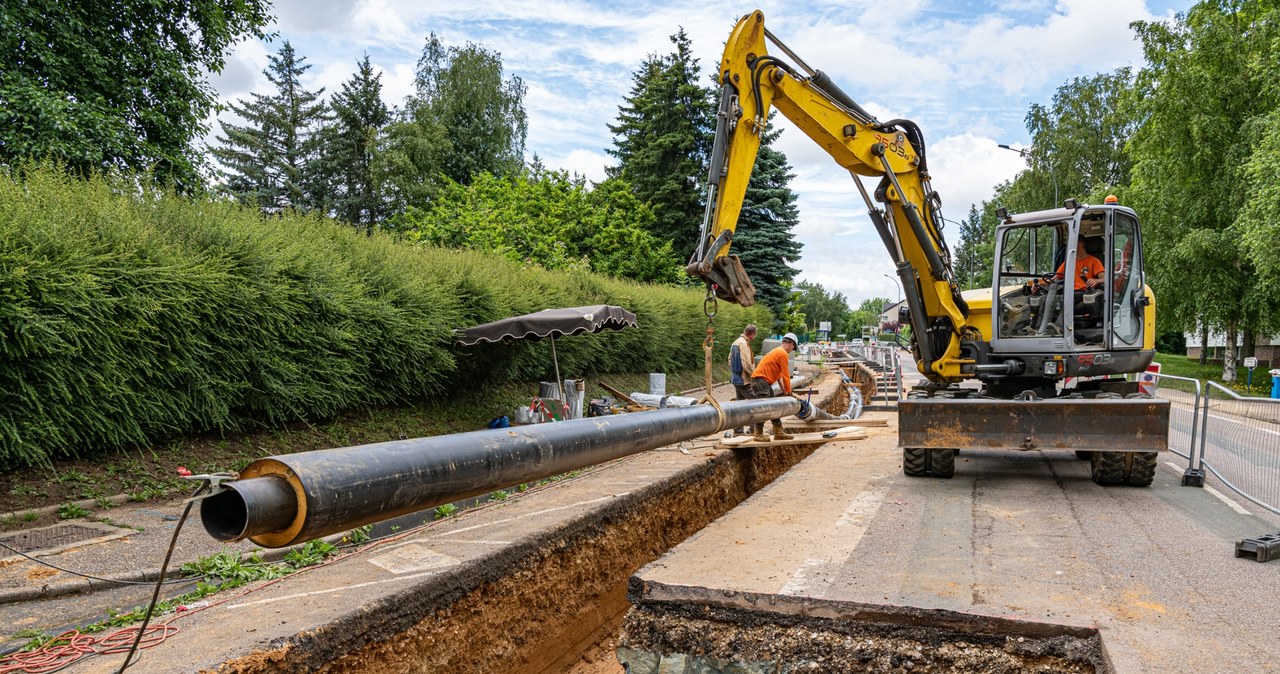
(657, 384)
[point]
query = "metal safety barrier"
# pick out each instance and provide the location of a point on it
(1239, 443)
(1185, 396)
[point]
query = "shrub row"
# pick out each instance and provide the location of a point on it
(128, 316)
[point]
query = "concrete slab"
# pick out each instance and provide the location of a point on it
(1014, 539)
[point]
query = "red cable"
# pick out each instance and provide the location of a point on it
(70, 646)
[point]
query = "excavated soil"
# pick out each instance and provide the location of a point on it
(714, 640)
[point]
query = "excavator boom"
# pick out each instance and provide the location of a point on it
(905, 210)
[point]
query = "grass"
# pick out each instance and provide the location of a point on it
(1182, 366)
(70, 511)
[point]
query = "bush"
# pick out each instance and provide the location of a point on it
(128, 315)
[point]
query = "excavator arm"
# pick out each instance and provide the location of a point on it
(753, 83)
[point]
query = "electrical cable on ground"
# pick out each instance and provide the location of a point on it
(155, 596)
(51, 565)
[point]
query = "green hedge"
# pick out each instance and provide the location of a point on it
(128, 316)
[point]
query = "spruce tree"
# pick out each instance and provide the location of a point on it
(348, 145)
(271, 160)
(764, 239)
(662, 141)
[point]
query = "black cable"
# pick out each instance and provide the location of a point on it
(51, 565)
(155, 596)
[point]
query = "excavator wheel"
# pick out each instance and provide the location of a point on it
(1142, 468)
(942, 462)
(920, 462)
(915, 461)
(1108, 468)
(1137, 469)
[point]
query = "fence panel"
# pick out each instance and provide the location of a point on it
(1240, 444)
(1185, 396)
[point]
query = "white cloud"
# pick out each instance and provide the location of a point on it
(965, 72)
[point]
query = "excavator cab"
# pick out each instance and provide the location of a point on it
(1053, 322)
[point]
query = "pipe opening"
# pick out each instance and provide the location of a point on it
(249, 507)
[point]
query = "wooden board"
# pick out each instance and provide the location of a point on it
(850, 433)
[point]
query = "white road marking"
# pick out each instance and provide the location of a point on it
(851, 526)
(1230, 504)
(1238, 421)
(1220, 496)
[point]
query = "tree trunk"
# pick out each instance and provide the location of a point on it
(1249, 339)
(1204, 343)
(1229, 354)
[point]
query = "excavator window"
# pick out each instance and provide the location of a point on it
(1126, 283)
(1027, 255)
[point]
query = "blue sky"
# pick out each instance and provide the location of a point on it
(965, 71)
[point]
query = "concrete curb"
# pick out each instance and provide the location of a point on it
(86, 503)
(83, 585)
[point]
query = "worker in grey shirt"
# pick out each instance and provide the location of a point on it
(741, 363)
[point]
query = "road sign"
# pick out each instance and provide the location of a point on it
(824, 326)
(1148, 381)
(1251, 362)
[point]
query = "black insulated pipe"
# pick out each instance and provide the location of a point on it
(283, 500)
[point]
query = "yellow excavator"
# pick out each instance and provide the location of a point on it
(1046, 347)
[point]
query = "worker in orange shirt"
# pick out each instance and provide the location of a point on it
(1088, 269)
(775, 367)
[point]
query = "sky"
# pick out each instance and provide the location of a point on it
(965, 71)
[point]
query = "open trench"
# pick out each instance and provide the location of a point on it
(562, 605)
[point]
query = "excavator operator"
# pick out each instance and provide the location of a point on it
(1088, 269)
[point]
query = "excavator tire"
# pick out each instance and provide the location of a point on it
(942, 462)
(1142, 468)
(914, 461)
(920, 462)
(1108, 468)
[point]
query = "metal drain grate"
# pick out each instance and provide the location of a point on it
(49, 537)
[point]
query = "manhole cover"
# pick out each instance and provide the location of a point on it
(51, 537)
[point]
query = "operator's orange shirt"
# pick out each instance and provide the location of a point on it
(774, 368)
(1088, 266)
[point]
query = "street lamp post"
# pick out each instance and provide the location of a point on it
(1025, 153)
(898, 286)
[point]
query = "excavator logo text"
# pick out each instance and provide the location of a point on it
(897, 145)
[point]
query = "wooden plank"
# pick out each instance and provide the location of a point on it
(620, 395)
(801, 439)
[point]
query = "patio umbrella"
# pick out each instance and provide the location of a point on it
(550, 323)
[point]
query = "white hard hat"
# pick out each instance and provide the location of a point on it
(791, 336)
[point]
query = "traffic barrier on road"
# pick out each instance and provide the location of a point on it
(1239, 443)
(1186, 398)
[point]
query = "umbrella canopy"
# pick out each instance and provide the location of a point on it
(550, 323)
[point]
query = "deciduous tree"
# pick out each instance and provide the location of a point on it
(116, 85)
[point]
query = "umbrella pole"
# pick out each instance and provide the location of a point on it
(559, 384)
